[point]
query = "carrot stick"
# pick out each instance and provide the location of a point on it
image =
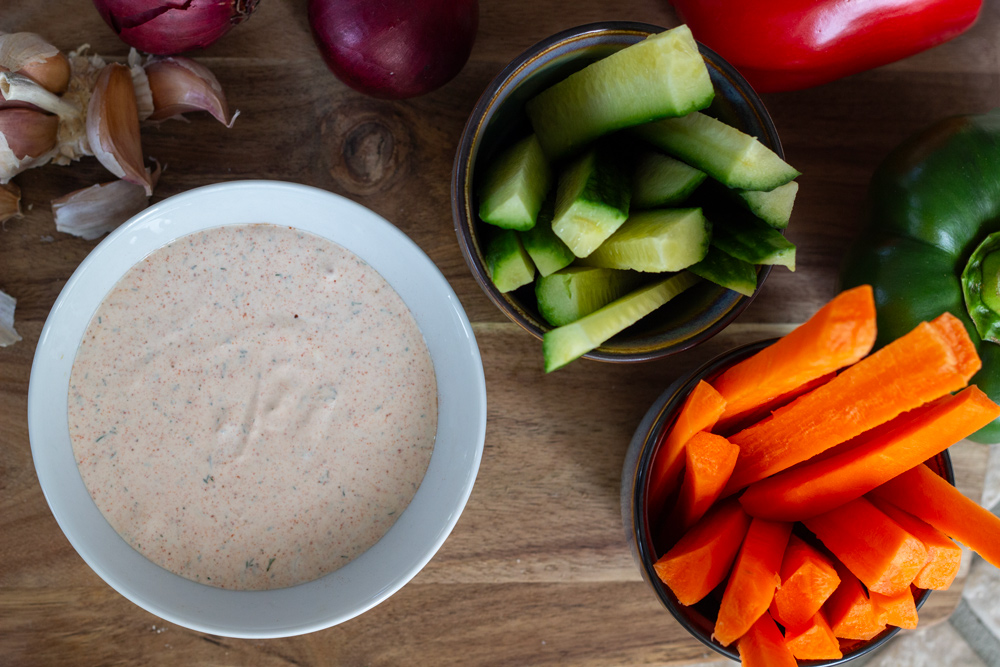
(849, 611)
(753, 580)
(813, 640)
(710, 460)
(919, 367)
(763, 646)
(929, 497)
(837, 335)
(808, 579)
(944, 557)
(899, 610)
(819, 486)
(700, 411)
(873, 546)
(702, 558)
(729, 424)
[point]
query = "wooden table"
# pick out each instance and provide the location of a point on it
(537, 570)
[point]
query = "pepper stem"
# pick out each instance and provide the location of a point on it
(981, 285)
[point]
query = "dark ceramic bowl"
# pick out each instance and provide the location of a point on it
(499, 119)
(699, 619)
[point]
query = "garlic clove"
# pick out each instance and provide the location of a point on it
(7, 334)
(113, 126)
(30, 55)
(180, 85)
(10, 202)
(27, 139)
(99, 209)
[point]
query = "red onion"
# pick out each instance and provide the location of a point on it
(166, 27)
(394, 48)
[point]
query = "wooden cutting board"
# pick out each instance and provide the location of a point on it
(537, 570)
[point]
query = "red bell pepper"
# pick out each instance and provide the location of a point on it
(792, 44)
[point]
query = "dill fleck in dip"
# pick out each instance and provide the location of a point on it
(252, 407)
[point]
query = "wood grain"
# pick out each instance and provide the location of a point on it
(537, 571)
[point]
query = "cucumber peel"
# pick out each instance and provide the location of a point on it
(507, 263)
(754, 241)
(723, 269)
(547, 250)
(592, 201)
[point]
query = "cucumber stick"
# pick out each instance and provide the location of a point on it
(515, 185)
(753, 240)
(547, 250)
(656, 241)
(773, 207)
(507, 262)
(660, 180)
(731, 157)
(723, 269)
(564, 344)
(592, 200)
(663, 75)
(569, 294)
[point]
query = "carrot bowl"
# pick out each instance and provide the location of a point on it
(649, 538)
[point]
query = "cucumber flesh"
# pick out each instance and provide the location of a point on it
(663, 75)
(731, 157)
(507, 262)
(660, 180)
(547, 250)
(564, 344)
(515, 185)
(753, 240)
(723, 269)
(576, 291)
(656, 241)
(592, 201)
(773, 207)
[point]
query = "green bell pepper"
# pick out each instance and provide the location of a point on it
(932, 242)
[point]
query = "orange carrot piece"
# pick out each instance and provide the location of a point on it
(700, 411)
(729, 424)
(702, 558)
(899, 610)
(763, 645)
(849, 611)
(817, 487)
(837, 335)
(944, 557)
(873, 546)
(808, 579)
(929, 497)
(710, 460)
(753, 580)
(919, 367)
(813, 640)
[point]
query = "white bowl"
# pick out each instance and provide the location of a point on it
(420, 530)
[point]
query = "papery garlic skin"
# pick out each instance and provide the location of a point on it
(113, 126)
(97, 210)
(7, 334)
(140, 82)
(16, 87)
(72, 142)
(27, 139)
(29, 54)
(180, 85)
(10, 202)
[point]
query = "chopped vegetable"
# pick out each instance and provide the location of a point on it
(515, 185)
(849, 611)
(875, 548)
(930, 361)
(753, 580)
(808, 579)
(723, 269)
(508, 264)
(655, 241)
(701, 559)
(944, 557)
(592, 200)
(839, 334)
(763, 646)
(752, 240)
(914, 437)
(700, 411)
(568, 294)
(710, 460)
(738, 421)
(813, 640)
(899, 610)
(932, 499)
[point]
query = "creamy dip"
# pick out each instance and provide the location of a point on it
(252, 407)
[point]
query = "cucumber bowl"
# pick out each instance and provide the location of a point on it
(499, 120)
(646, 537)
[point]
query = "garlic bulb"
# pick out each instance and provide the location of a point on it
(113, 126)
(7, 334)
(179, 85)
(10, 202)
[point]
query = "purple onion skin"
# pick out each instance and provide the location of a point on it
(394, 49)
(167, 27)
